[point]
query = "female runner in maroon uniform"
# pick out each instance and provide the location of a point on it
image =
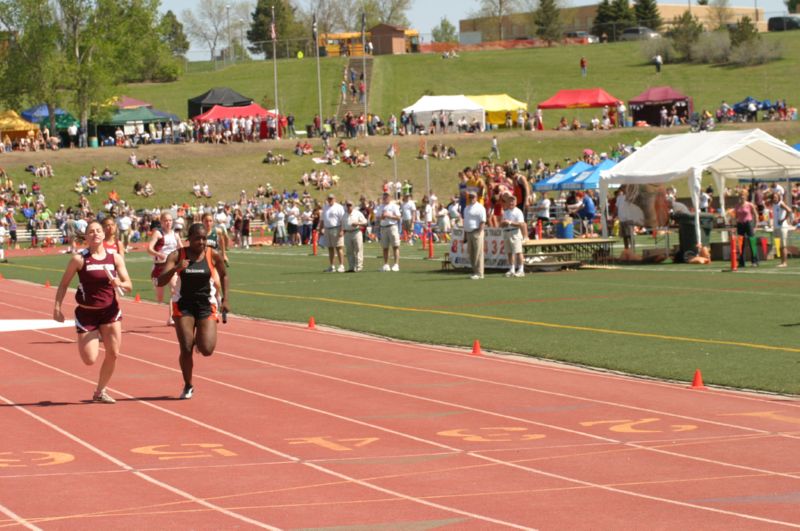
(194, 305)
(163, 241)
(97, 316)
(111, 240)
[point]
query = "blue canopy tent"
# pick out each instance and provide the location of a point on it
(554, 182)
(588, 179)
(797, 146)
(167, 116)
(39, 113)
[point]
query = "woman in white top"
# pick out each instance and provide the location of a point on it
(163, 241)
(781, 224)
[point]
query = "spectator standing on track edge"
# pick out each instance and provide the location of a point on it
(474, 224)
(333, 215)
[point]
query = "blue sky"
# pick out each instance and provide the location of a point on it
(426, 14)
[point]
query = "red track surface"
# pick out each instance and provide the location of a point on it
(294, 428)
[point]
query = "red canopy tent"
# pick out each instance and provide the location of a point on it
(218, 112)
(647, 105)
(576, 98)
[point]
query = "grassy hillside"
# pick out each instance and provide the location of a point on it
(229, 169)
(530, 75)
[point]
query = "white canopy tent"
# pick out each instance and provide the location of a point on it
(726, 155)
(455, 106)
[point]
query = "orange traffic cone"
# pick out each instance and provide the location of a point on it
(476, 348)
(311, 324)
(1, 276)
(697, 381)
(47, 283)
(137, 298)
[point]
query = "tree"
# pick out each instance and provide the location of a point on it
(286, 27)
(647, 14)
(548, 21)
(744, 32)
(33, 66)
(624, 16)
(499, 9)
(604, 20)
(791, 5)
(685, 32)
(444, 32)
(719, 14)
(207, 23)
(171, 32)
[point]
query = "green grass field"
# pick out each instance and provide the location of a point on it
(663, 321)
(530, 75)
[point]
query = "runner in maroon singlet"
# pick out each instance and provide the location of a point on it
(97, 315)
(163, 241)
(199, 270)
(111, 240)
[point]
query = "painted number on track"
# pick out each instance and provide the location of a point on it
(650, 425)
(33, 458)
(190, 451)
(500, 434)
(337, 445)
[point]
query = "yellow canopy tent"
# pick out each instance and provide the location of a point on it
(15, 127)
(497, 105)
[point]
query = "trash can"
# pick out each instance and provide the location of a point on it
(687, 247)
(93, 142)
(309, 131)
(565, 229)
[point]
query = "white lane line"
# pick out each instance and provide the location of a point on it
(534, 363)
(132, 470)
(17, 518)
(262, 447)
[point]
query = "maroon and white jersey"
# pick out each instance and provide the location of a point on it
(167, 243)
(95, 289)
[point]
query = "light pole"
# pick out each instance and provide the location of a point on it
(228, 17)
(241, 35)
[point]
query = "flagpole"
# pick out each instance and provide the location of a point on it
(315, 33)
(364, 68)
(274, 36)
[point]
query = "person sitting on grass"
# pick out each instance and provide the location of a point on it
(147, 189)
(196, 190)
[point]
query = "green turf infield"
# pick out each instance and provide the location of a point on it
(663, 321)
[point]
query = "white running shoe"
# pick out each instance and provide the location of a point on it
(102, 397)
(519, 274)
(386, 268)
(341, 269)
(396, 267)
(509, 274)
(188, 391)
(330, 270)
(475, 277)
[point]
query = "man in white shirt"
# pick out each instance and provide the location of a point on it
(409, 212)
(124, 224)
(333, 215)
(388, 214)
(474, 224)
(514, 231)
(353, 239)
(293, 222)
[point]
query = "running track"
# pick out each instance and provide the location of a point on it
(293, 428)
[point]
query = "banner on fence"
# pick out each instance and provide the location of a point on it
(493, 248)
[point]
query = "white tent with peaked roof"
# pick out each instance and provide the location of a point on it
(454, 106)
(725, 154)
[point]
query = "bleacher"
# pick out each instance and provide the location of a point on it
(46, 237)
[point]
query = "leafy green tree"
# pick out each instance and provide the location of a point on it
(647, 14)
(624, 16)
(685, 32)
(34, 65)
(604, 21)
(286, 27)
(171, 32)
(745, 32)
(791, 5)
(547, 19)
(444, 32)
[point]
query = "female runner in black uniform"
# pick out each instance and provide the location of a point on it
(97, 316)
(194, 305)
